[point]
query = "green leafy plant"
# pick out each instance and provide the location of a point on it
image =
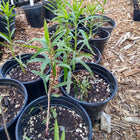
(92, 8)
(50, 58)
(7, 14)
(66, 12)
(83, 84)
(60, 39)
(56, 132)
(102, 5)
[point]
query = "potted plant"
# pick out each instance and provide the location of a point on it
(16, 67)
(91, 90)
(72, 13)
(34, 14)
(96, 35)
(82, 79)
(32, 82)
(99, 20)
(7, 17)
(47, 102)
(136, 10)
(71, 117)
(13, 99)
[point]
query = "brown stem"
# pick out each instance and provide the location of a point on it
(4, 123)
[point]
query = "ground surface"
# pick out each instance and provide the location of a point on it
(121, 56)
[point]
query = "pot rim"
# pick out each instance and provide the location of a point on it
(62, 99)
(4, 75)
(15, 82)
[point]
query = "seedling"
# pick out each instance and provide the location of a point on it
(66, 12)
(94, 21)
(83, 84)
(7, 14)
(50, 60)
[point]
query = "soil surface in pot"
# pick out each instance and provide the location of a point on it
(12, 101)
(17, 73)
(73, 124)
(87, 88)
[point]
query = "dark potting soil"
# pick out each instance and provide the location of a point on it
(89, 89)
(75, 128)
(12, 101)
(17, 73)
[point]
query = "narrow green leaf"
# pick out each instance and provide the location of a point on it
(56, 131)
(63, 135)
(46, 32)
(54, 113)
(60, 84)
(68, 81)
(5, 37)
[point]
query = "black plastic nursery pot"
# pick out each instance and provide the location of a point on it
(34, 15)
(136, 10)
(11, 125)
(58, 101)
(100, 42)
(49, 6)
(109, 20)
(3, 25)
(34, 88)
(94, 109)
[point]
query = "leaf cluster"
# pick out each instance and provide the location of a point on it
(7, 15)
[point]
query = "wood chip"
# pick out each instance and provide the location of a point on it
(131, 72)
(122, 69)
(133, 119)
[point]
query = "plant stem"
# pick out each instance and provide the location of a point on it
(4, 123)
(48, 111)
(49, 92)
(11, 44)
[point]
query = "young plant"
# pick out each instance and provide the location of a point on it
(91, 9)
(50, 58)
(102, 5)
(94, 21)
(7, 14)
(83, 84)
(66, 12)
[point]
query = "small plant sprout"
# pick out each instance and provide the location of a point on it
(4, 123)
(83, 84)
(7, 12)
